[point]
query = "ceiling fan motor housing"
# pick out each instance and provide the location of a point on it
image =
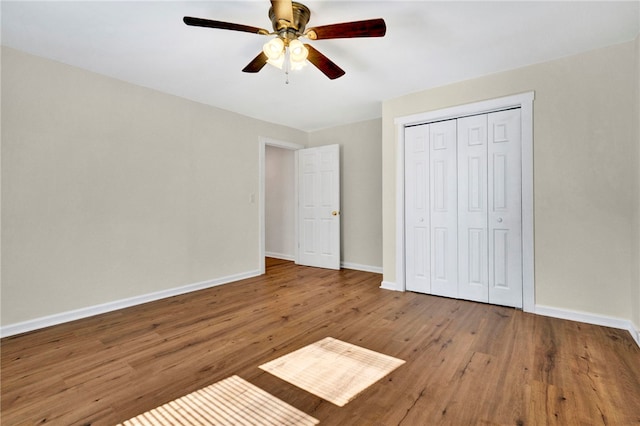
(291, 30)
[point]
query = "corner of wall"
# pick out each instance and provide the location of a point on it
(1, 48)
(635, 291)
(389, 285)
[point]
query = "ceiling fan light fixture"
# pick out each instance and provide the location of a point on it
(298, 51)
(289, 20)
(274, 49)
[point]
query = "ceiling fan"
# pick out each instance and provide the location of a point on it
(289, 19)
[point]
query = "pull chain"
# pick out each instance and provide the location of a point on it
(286, 64)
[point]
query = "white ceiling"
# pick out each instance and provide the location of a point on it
(427, 44)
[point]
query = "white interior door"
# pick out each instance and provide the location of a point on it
(443, 188)
(417, 210)
(473, 267)
(505, 208)
(318, 178)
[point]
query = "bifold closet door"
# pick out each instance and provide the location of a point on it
(489, 208)
(473, 259)
(430, 209)
(443, 191)
(417, 229)
(505, 208)
(463, 208)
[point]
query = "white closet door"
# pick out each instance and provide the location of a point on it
(505, 208)
(473, 266)
(417, 209)
(463, 208)
(444, 206)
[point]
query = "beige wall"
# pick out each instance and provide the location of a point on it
(585, 166)
(112, 191)
(361, 193)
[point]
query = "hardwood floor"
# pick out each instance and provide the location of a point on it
(466, 363)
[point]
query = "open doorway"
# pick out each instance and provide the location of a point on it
(277, 200)
(279, 203)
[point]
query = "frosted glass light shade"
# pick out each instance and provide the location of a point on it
(274, 49)
(298, 51)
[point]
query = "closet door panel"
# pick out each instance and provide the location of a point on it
(463, 208)
(505, 208)
(417, 210)
(473, 267)
(444, 205)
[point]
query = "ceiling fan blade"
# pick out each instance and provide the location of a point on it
(199, 22)
(283, 11)
(367, 28)
(324, 64)
(257, 64)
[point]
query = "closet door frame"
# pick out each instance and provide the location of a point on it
(524, 101)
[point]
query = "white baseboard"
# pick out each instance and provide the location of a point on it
(358, 267)
(388, 285)
(55, 319)
(589, 318)
(567, 314)
(345, 265)
(281, 256)
(47, 321)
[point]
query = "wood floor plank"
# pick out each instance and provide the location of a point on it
(466, 363)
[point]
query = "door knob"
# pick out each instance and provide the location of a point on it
(499, 220)
(335, 213)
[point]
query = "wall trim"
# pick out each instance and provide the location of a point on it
(548, 311)
(589, 318)
(280, 256)
(525, 102)
(76, 314)
(359, 267)
(389, 285)
(344, 265)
